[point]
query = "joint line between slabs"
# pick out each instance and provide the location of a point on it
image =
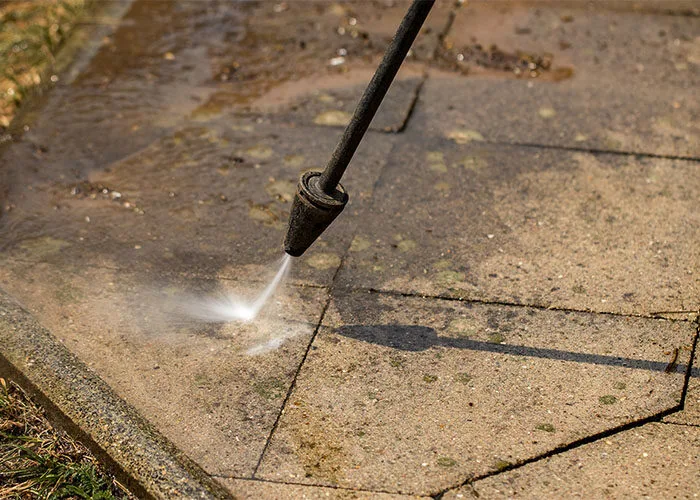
(307, 485)
(514, 304)
(594, 151)
(567, 447)
(412, 105)
(689, 371)
(680, 424)
(292, 386)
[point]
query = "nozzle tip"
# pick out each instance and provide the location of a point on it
(312, 212)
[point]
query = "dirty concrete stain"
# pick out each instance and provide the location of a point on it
(333, 118)
(319, 446)
(465, 136)
(323, 261)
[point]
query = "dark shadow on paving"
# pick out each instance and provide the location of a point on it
(420, 338)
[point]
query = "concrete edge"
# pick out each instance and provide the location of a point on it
(82, 404)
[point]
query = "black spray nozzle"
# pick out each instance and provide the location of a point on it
(313, 210)
(320, 197)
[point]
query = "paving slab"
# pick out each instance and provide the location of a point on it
(247, 489)
(414, 395)
(456, 217)
(604, 78)
(652, 461)
(209, 200)
(213, 389)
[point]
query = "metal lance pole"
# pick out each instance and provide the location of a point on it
(320, 198)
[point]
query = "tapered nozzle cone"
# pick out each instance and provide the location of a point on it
(312, 212)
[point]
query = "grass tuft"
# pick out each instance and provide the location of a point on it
(31, 33)
(38, 461)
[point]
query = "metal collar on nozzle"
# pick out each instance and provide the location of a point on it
(312, 212)
(320, 197)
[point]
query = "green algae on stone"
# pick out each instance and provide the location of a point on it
(446, 462)
(496, 338)
(68, 294)
(406, 245)
(619, 386)
(396, 362)
(262, 213)
(547, 113)
(449, 277)
(436, 161)
(42, 246)
(442, 265)
(464, 378)
(461, 327)
(440, 168)
(502, 465)
(465, 136)
(259, 152)
(294, 160)
(271, 388)
(473, 163)
(202, 381)
(333, 118)
(323, 261)
(545, 427)
(282, 190)
(608, 399)
(359, 244)
(429, 378)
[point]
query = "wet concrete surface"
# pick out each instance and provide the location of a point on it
(394, 384)
(208, 200)
(213, 389)
(163, 165)
(650, 462)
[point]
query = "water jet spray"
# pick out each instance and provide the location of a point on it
(320, 197)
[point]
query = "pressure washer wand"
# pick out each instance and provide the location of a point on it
(320, 197)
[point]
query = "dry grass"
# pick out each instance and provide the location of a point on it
(30, 34)
(37, 461)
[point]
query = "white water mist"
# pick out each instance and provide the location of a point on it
(227, 307)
